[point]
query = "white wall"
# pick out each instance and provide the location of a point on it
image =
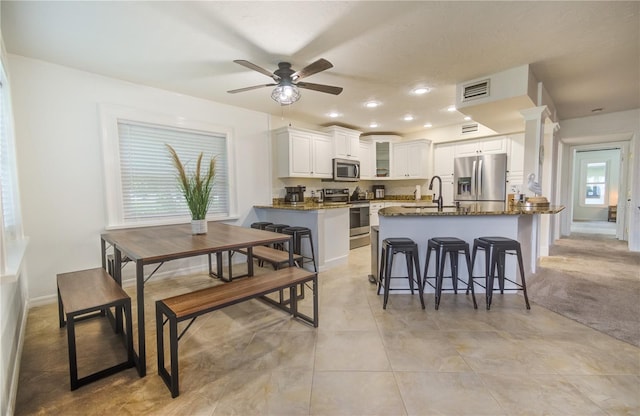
(60, 159)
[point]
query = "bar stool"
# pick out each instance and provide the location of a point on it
(260, 225)
(495, 249)
(276, 228)
(298, 234)
(443, 246)
(391, 247)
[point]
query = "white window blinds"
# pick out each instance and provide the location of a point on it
(148, 178)
(8, 172)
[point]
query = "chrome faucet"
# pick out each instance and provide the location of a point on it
(439, 198)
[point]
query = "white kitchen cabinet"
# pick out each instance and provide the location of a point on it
(443, 156)
(484, 146)
(303, 153)
(382, 153)
(515, 161)
(366, 160)
(410, 159)
(346, 142)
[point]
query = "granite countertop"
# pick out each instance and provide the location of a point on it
(307, 206)
(473, 209)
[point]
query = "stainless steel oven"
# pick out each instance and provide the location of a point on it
(359, 230)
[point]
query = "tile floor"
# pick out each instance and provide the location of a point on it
(251, 359)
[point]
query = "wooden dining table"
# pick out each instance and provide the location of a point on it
(158, 244)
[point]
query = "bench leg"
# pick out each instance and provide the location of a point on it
(169, 378)
(71, 342)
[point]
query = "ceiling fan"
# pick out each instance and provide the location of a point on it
(288, 81)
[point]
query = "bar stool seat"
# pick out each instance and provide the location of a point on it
(391, 247)
(298, 233)
(276, 228)
(260, 225)
(495, 249)
(443, 246)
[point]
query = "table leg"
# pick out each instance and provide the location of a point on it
(142, 356)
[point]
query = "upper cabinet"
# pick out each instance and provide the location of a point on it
(303, 153)
(410, 159)
(484, 146)
(443, 157)
(346, 142)
(515, 160)
(366, 160)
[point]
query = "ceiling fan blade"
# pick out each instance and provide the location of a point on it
(313, 68)
(319, 87)
(255, 87)
(255, 67)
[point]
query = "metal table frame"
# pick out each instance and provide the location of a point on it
(157, 245)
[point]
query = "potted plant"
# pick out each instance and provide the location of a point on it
(196, 188)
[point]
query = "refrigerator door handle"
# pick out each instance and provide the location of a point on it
(480, 178)
(474, 185)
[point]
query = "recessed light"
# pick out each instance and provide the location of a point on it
(334, 114)
(428, 125)
(408, 117)
(467, 118)
(421, 90)
(451, 108)
(371, 104)
(373, 125)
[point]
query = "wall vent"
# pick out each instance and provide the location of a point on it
(469, 128)
(476, 90)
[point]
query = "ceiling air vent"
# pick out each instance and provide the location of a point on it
(476, 90)
(469, 128)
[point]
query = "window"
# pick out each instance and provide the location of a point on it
(10, 218)
(595, 183)
(141, 183)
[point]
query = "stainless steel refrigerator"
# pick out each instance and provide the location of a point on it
(480, 178)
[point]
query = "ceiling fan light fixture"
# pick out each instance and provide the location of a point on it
(285, 94)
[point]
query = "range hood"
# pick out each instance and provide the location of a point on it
(495, 101)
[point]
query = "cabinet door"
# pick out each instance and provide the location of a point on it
(447, 189)
(366, 160)
(300, 151)
(493, 146)
(383, 159)
(347, 145)
(443, 156)
(466, 149)
(322, 152)
(410, 160)
(515, 160)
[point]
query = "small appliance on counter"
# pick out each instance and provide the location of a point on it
(294, 195)
(336, 195)
(378, 191)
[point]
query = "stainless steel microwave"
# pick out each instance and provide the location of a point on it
(345, 170)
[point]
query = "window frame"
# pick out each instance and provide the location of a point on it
(110, 115)
(583, 183)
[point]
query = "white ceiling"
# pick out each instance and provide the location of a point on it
(587, 54)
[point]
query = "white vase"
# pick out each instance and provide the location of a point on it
(198, 227)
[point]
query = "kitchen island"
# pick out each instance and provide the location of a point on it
(329, 225)
(467, 222)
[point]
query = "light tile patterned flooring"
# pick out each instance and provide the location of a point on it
(251, 359)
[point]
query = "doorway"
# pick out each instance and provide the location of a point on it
(596, 185)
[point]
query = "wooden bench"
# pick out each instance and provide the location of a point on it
(193, 304)
(84, 294)
(277, 258)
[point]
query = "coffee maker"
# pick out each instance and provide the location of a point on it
(294, 195)
(378, 191)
